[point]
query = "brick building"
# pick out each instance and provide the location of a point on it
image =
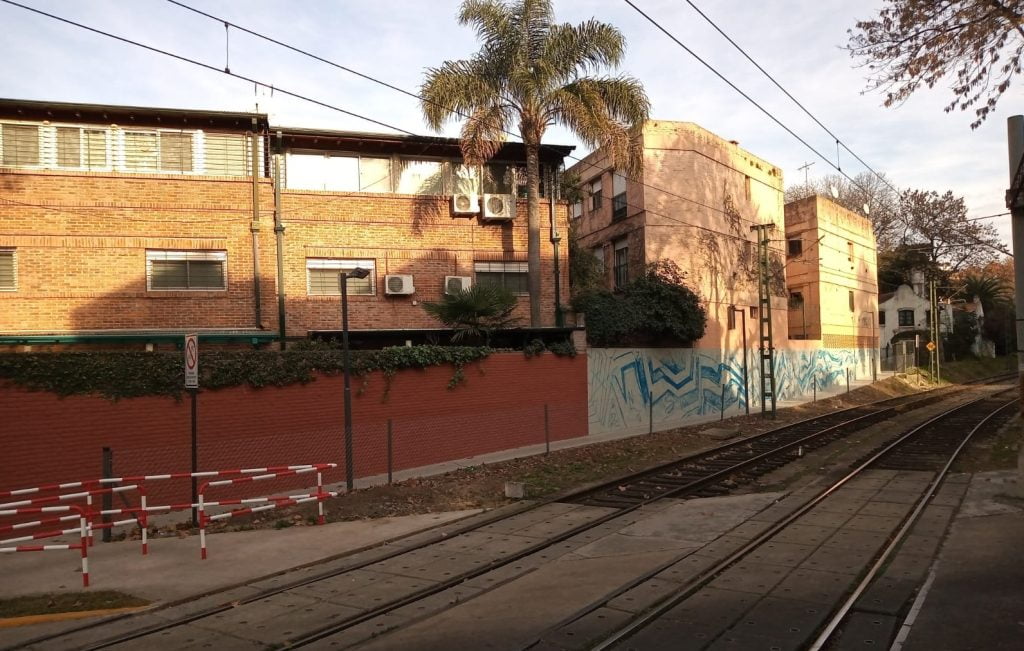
(138, 224)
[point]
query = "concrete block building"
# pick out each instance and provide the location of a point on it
(137, 224)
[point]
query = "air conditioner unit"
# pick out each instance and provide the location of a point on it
(398, 284)
(455, 284)
(465, 204)
(499, 206)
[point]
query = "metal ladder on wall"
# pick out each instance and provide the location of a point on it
(764, 295)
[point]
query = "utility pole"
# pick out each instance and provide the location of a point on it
(764, 298)
(932, 330)
(1015, 142)
(805, 167)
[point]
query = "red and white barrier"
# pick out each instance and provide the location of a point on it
(271, 502)
(82, 530)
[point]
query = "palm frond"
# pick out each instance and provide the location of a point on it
(475, 312)
(484, 132)
(455, 88)
(571, 50)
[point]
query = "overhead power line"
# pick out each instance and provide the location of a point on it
(789, 95)
(747, 97)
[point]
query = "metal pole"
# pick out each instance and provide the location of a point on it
(1015, 141)
(722, 405)
(390, 466)
(345, 362)
(555, 239)
(108, 501)
(814, 385)
(847, 380)
(195, 455)
(279, 239)
(547, 431)
(650, 413)
(746, 384)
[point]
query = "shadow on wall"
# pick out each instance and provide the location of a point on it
(631, 388)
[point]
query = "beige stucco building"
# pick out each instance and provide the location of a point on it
(694, 202)
(831, 274)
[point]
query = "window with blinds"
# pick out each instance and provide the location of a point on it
(513, 276)
(8, 270)
(141, 151)
(186, 270)
(226, 154)
(19, 144)
(175, 152)
(323, 277)
(79, 148)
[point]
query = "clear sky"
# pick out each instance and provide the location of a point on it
(799, 41)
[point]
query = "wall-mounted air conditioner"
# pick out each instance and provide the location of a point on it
(455, 284)
(465, 204)
(499, 206)
(398, 284)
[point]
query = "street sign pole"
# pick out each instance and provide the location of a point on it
(192, 384)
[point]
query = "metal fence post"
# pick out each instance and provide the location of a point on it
(847, 380)
(547, 431)
(814, 388)
(650, 414)
(107, 502)
(722, 404)
(390, 458)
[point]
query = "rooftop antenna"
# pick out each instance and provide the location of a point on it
(804, 167)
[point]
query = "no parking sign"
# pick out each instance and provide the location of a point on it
(191, 361)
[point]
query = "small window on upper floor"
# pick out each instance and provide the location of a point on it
(730, 317)
(881, 317)
(619, 205)
(905, 318)
(595, 195)
(226, 154)
(79, 148)
(420, 176)
(577, 210)
(794, 247)
(186, 270)
(19, 144)
(8, 270)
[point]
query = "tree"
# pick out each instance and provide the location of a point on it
(655, 308)
(866, 190)
(475, 312)
(913, 42)
(530, 73)
(937, 224)
(991, 290)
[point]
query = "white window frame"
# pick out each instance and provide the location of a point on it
(342, 264)
(82, 128)
(161, 255)
(14, 268)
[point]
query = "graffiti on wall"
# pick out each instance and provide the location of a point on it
(634, 388)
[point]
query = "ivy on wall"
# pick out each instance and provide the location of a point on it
(116, 375)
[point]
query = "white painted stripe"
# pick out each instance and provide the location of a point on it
(915, 610)
(157, 477)
(47, 548)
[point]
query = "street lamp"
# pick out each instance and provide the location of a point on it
(746, 386)
(343, 277)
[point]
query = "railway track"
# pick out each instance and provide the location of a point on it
(676, 620)
(571, 518)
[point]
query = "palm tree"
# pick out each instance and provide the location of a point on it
(991, 290)
(530, 73)
(475, 312)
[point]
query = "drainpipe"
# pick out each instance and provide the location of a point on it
(255, 227)
(279, 237)
(555, 239)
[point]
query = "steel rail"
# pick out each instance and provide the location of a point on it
(706, 577)
(901, 535)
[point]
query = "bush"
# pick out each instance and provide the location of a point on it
(655, 309)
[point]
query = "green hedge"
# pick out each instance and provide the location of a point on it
(128, 374)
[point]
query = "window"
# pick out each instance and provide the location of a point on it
(186, 270)
(420, 177)
(796, 300)
(881, 317)
(599, 256)
(620, 264)
(323, 277)
(513, 276)
(906, 318)
(79, 148)
(850, 298)
(753, 312)
(577, 210)
(226, 154)
(499, 178)
(595, 195)
(927, 318)
(8, 270)
(794, 247)
(374, 174)
(730, 317)
(175, 152)
(20, 144)
(618, 196)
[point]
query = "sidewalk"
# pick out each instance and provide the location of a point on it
(974, 596)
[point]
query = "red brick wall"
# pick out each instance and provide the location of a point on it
(499, 406)
(81, 240)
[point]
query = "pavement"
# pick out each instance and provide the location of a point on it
(974, 595)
